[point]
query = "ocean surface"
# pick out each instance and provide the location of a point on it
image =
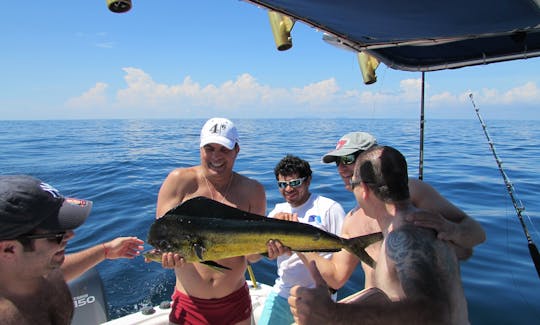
(120, 164)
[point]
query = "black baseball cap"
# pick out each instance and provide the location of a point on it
(27, 203)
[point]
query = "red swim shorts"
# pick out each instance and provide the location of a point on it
(230, 309)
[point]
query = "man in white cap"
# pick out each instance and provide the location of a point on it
(202, 295)
(450, 222)
(36, 223)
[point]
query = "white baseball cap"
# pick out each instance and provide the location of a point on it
(221, 131)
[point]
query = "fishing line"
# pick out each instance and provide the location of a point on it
(518, 205)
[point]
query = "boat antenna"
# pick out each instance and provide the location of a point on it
(518, 206)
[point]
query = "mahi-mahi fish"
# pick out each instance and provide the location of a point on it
(203, 230)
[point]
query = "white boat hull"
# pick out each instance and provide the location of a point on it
(161, 316)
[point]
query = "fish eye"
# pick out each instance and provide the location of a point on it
(163, 244)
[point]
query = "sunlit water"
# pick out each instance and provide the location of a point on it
(120, 164)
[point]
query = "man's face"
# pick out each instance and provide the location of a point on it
(48, 253)
(345, 167)
(217, 158)
(295, 190)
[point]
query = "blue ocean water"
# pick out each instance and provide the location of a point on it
(120, 164)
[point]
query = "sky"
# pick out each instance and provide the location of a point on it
(204, 58)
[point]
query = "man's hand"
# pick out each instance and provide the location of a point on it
(276, 248)
(312, 306)
(286, 216)
(446, 230)
(172, 260)
(123, 247)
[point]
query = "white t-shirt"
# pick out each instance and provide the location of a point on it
(318, 211)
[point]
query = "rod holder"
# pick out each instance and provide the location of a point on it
(368, 65)
(281, 29)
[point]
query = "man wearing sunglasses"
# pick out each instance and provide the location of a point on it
(293, 177)
(36, 223)
(450, 222)
(417, 276)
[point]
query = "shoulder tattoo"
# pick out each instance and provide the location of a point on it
(418, 264)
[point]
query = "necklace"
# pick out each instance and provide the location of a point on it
(223, 196)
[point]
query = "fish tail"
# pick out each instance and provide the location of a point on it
(357, 246)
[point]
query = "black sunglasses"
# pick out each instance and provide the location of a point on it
(354, 183)
(347, 159)
(292, 183)
(52, 237)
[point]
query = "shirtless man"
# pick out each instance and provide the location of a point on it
(450, 222)
(202, 295)
(417, 276)
(36, 223)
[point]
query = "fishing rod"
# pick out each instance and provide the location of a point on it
(533, 250)
(422, 122)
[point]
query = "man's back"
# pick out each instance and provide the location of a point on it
(415, 264)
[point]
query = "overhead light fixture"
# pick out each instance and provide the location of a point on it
(368, 65)
(119, 6)
(281, 29)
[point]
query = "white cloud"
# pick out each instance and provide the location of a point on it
(93, 97)
(410, 89)
(527, 93)
(316, 93)
(444, 98)
(245, 95)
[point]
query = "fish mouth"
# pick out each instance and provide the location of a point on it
(152, 252)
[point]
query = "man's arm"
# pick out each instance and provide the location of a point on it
(462, 231)
(337, 270)
(425, 299)
(76, 264)
(314, 306)
(169, 194)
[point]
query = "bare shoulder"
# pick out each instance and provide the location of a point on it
(10, 313)
(182, 174)
(357, 223)
(249, 194)
(419, 188)
(178, 184)
(244, 180)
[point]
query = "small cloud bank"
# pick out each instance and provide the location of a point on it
(94, 97)
(246, 97)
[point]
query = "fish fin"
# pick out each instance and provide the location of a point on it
(215, 266)
(204, 207)
(199, 250)
(358, 244)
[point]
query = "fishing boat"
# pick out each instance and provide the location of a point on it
(415, 35)
(91, 305)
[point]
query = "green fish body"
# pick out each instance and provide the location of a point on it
(203, 230)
